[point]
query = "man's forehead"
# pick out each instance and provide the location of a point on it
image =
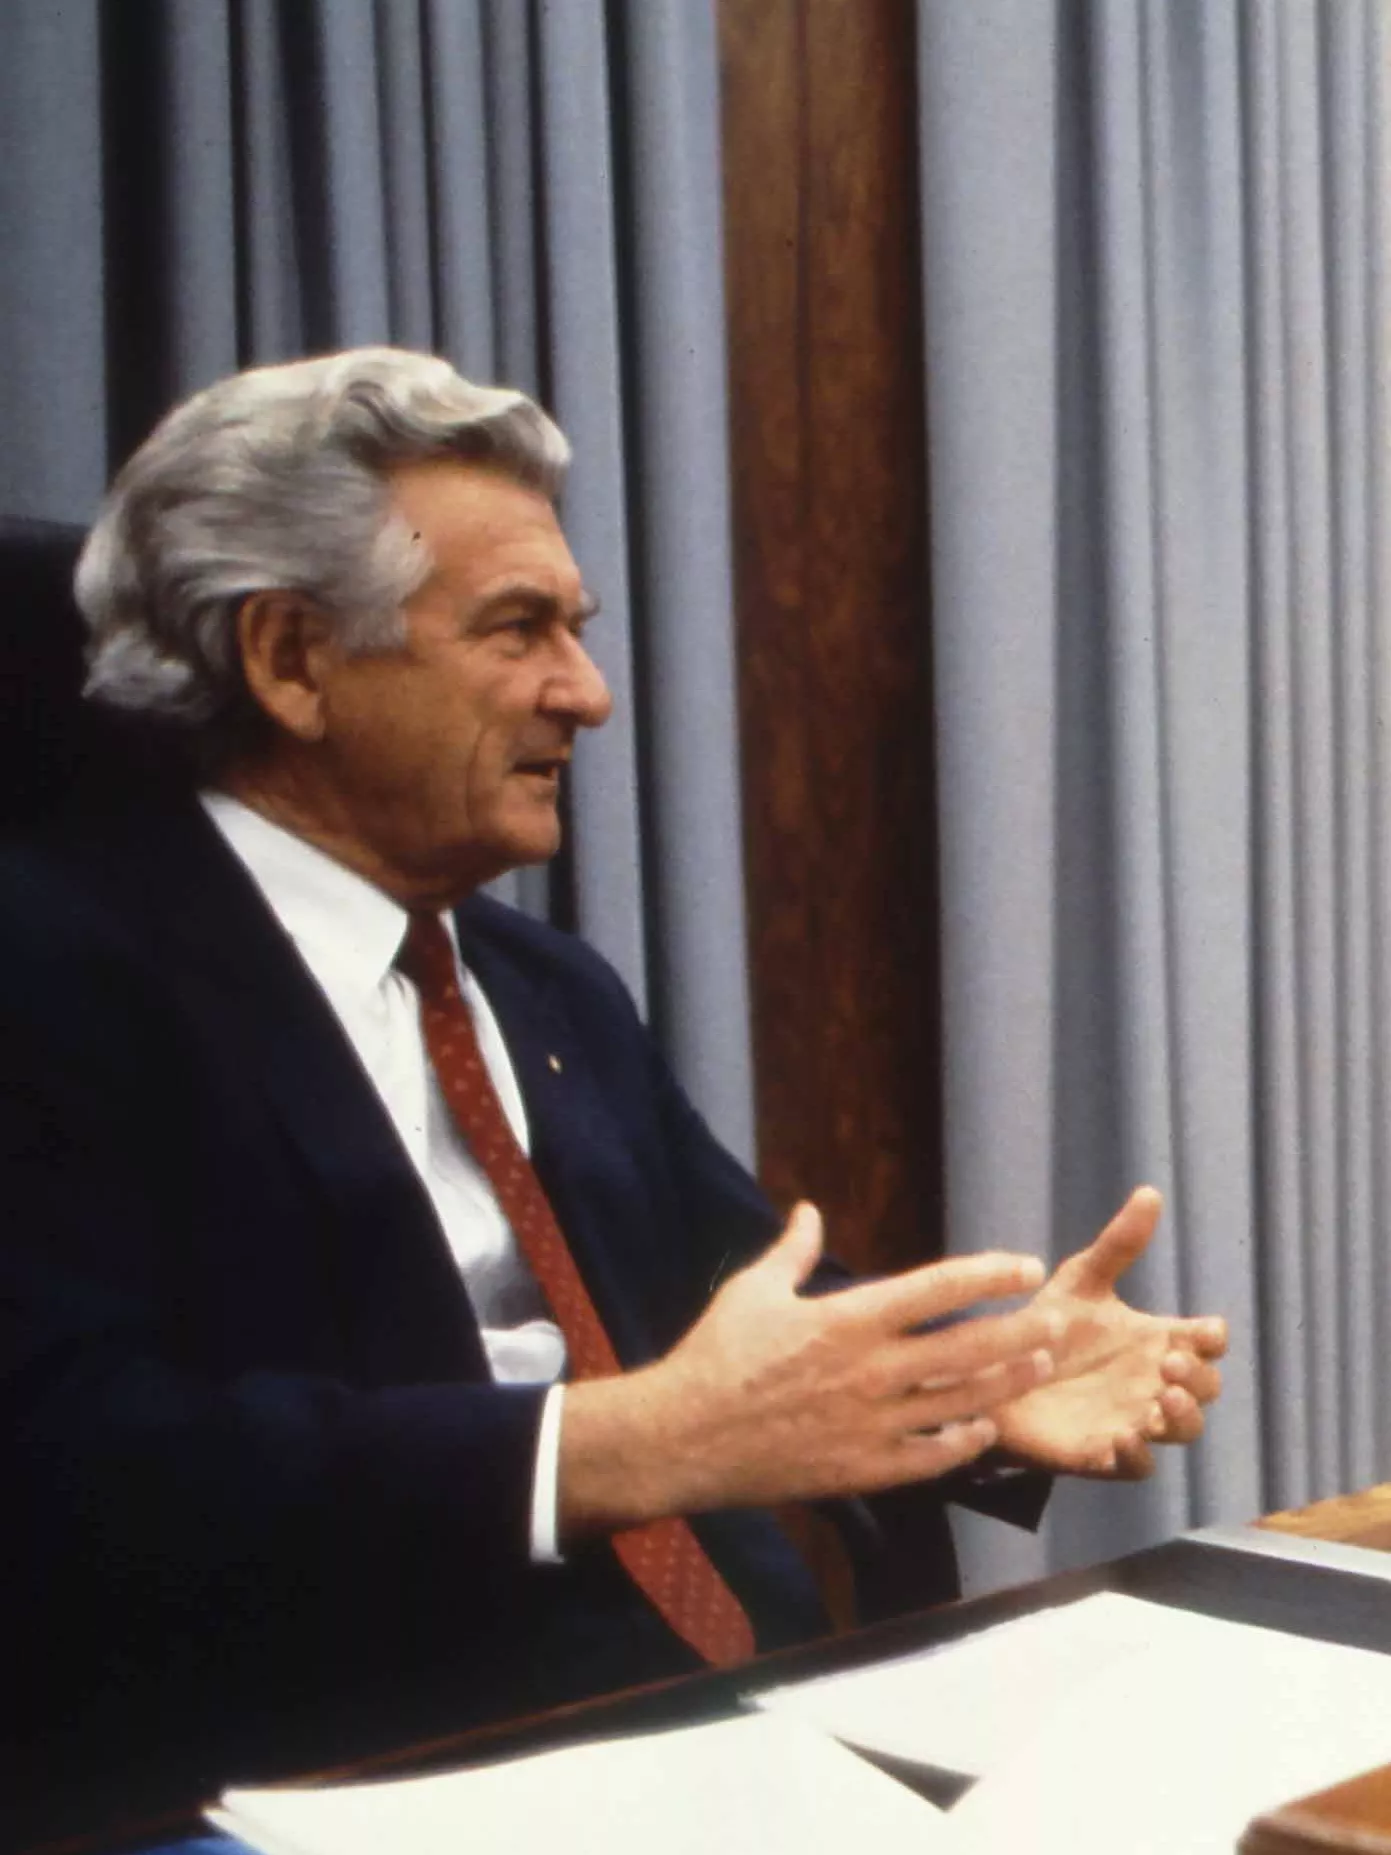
(484, 530)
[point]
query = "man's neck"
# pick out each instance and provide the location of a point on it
(321, 820)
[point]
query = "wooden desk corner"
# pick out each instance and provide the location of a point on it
(1362, 1519)
(1352, 1818)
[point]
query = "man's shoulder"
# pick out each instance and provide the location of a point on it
(133, 889)
(53, 876)
(80, 938)
(495, 926)
(102, 857)
(493, 934)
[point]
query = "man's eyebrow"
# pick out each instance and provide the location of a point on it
(525, 593)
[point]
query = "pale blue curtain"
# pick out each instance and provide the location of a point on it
(1156, 272)
(527, 186)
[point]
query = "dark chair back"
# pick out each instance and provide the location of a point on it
(54, 747)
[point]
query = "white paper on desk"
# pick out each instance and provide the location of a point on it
(749, 1783)
(1175, 1750)
(967, 1704)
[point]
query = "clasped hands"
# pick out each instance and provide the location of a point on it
(774, 1395)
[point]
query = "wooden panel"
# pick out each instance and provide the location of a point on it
(830, 523)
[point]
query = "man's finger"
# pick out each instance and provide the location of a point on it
(1132, 1459)
(1205, 1334)
(923, 1457)
(928, 1407)
(1201, 1380)
(932, 1361)
(1097, 1269)
(906, 1301)
(1179, 1417)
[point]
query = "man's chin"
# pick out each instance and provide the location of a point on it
(535, 842)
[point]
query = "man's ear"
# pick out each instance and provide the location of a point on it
(285, 641)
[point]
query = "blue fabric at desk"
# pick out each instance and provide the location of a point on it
(211, 1844)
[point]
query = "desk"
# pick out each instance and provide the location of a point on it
(1229, 1572)
(1362, 1519)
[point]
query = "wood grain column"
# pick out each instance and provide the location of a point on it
(830, 503)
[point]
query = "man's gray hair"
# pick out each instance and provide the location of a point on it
(276, 478)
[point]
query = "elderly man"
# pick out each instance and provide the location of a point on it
(389, 1343)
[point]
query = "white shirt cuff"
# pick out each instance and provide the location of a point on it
(545, 1547)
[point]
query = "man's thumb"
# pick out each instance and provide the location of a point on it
(1121, 1243)
(798, 1250)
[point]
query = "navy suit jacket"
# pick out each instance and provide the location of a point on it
(259, 1477)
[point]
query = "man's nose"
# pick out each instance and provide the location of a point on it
(580, 689)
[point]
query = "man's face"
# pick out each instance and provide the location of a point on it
(446, 754)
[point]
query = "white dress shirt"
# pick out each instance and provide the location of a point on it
(348, 933)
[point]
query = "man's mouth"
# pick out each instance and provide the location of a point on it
(542, 766)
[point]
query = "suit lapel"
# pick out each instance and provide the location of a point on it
(579, 1147)
(408, 1313)
(535, 1029)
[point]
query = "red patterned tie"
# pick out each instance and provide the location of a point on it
(664, 1558)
